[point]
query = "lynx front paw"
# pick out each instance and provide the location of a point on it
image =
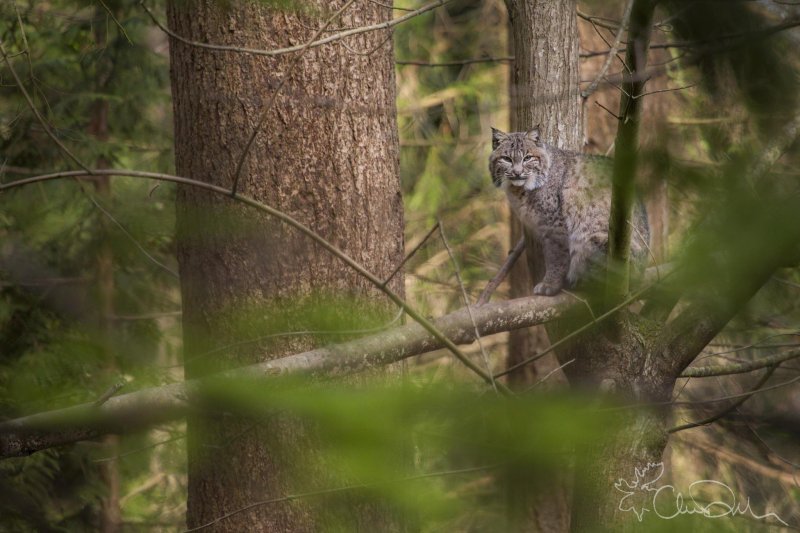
(546, 289)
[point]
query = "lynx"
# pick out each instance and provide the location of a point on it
(564, 198)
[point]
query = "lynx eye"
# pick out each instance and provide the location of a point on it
(505, 159)
(528, 158)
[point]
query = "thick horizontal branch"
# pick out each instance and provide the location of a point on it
(144, 408)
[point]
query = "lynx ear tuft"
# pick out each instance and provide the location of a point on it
(498, 137)
(534, 134)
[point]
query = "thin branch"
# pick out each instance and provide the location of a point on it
(713, 418)
(289, 220)
(38, 115)
(112, 390)
(609, 112)
(498, 278)
(466, 302)
(640, 405)
(411, 254)
(741, 368)
(371, 50)
(139, 450)
(111, 14)
(612, 52)
(547, 376)
(280, 51)
(454, 63)
(601, 21)
(388, 6)
(127, 233)
(274, 96)
(742, 36)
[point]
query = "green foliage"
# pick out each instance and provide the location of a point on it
(422, 448)
(73, 58)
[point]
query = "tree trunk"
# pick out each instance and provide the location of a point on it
(543, 90)
(111, 513)
(328, 156)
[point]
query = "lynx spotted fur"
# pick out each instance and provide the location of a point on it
(564, 198)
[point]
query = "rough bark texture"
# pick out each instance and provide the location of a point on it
(544, 90)
(327, 155)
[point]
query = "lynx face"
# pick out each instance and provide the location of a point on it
(519, 159)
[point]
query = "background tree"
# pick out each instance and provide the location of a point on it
(60, 292)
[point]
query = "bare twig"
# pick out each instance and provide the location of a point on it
(38, 115)
(454, 63)
(412, 253)
(498, 278)
(466, 302)
(274, 96)
(612, 52)
(139, 450)
(547, 376)
(731, 407)
(742, 36)
(127, 233)
(111, 14)
(112, 390)
(601, 21)
(387, 6)
(609, 112)
(741, 368)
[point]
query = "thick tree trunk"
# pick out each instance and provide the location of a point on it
(544, 90)
(327, 155)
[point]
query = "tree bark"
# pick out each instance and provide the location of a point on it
(327, 155)
(544, 90)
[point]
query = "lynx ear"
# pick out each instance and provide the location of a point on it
(498, 137)
(534, 134)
